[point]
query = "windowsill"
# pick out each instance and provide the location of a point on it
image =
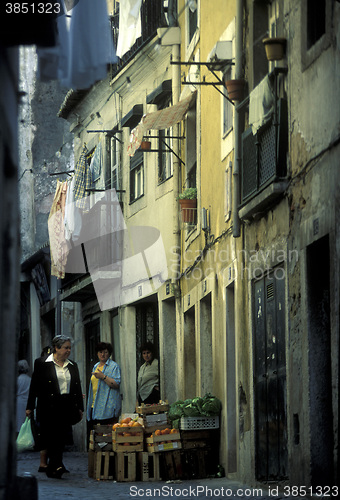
(136, 199)
(225, 134)
(262, 202)
(160, 183)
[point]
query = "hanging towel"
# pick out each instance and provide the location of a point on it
(261, 101)
(58, 245)
(73, 215)
(130, 26)
(82, 181)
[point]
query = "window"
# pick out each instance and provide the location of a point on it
(316, 21)
(228, 192)
(315, 29)
(227, 108)
(191, 25)
(192, 18)
(114, 163)
(191, 148)
(136, 176)
(165, 168)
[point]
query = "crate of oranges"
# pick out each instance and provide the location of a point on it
(128, 435)
(163, 440)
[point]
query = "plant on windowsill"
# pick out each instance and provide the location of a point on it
(275, 48)
(188, 203)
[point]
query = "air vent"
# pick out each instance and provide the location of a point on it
(270, 291)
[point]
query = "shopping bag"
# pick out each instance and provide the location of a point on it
(25, 439)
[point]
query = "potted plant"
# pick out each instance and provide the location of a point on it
(235, 89)
(188, 203)
(275, 48)
(145, 145)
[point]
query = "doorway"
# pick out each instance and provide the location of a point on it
(320, 375)
(270, 377)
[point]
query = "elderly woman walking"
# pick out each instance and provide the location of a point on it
(56, 387)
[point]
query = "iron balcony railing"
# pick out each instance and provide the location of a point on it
(154, 14)
(264, 154)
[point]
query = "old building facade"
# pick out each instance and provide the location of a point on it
(247, 306)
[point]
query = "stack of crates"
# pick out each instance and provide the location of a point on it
(200, 443)
(158, 439)
(100, 455)
(127, 442)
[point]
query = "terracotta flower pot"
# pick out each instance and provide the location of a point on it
(235, 89)
(188, 210)
(145, 145)
(275, 48)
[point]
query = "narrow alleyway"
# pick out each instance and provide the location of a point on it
(78, 485)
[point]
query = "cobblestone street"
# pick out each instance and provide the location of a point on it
(78, 485)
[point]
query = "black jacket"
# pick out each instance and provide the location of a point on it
(44, 394)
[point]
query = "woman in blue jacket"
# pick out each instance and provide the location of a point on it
(104, 401)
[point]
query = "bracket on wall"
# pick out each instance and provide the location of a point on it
(165, 144)
(110, 133)
(212, 66)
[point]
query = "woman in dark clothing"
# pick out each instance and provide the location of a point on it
(148, 377)
(56, 387)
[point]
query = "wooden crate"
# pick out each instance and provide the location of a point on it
(126, 469)
(160, 407)
(164, 442)
(195, 439)
(101, 465)
(148, 464)
(128, 439)
(170, 465)
(155, 421)
(196, 463)
(100, 442)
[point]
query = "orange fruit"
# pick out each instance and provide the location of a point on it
(136, 424)
(124, 425)
(115, 426)
(126, 420)
(173, 431)
(126, 444)
(158, 432)
(166, 431)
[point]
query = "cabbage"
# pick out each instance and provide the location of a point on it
(211, 406)
(176, 410)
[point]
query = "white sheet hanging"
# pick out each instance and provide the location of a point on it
(130, 25)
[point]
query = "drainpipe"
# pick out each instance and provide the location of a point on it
(176, 86)
(237, 152)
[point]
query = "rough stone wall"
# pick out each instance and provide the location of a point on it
(46, 146)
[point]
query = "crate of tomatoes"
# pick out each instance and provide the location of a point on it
(128, 435)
